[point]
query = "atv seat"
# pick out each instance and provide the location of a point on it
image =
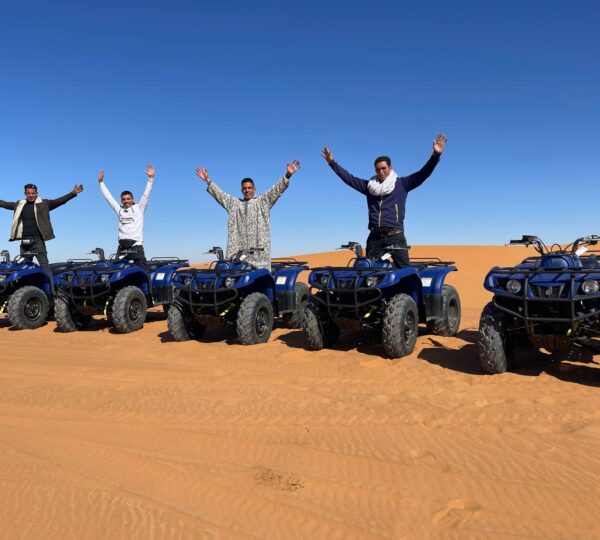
(153, 266)
(57, 268)
(591, 261)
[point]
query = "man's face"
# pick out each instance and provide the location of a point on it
(382, 169)
(31, 194)
(127, 200)
(248, 190)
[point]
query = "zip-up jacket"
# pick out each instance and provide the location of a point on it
(131, 220)
(42, 210)
(387, 212)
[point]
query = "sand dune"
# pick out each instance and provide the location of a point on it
(135, 436)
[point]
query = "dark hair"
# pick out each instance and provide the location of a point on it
(245, 180)
(126, 193)
(383, 158)
(30, 186)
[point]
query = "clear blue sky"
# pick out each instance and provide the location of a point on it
(244, 87)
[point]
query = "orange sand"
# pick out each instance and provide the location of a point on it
(135, 436)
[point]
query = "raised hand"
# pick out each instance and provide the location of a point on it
(150, 171)
(101, 177)
(327, 154)
(77, 188)
(439, 143)
(202, 173)
(292, 168)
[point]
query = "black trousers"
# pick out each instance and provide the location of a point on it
(135, 253)
(378, 244)
(36, 247)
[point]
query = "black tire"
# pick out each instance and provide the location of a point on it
(449, 324)
(293, 319)
(318, 327)
(183, 326)
(129, 310)
(254, 321)
(400, 326)
(28, 308)
(67, 319)
(493, 345)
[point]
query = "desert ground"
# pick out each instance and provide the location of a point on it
(136, 436)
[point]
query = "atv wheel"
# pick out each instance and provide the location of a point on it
(450, 321)
(293, 319)
(67, 319)
(493, 344)
(400, 326)
(129, 310)
(318, 327)
(28, 308)
(254, 319)
(184, 327)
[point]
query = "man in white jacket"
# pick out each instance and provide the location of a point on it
(131, 218)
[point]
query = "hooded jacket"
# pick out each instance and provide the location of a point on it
(42, 210)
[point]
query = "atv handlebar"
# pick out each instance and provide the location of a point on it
(354, 246)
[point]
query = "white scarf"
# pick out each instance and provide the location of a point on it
(381, 188)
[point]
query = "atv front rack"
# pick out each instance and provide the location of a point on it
(564, 293)
(194, 297)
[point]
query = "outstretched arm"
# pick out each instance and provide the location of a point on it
(359, 184)
(8, 205)
(224, 199)
(272, 194)
(55, 203)
(146, 196)
(109, 198)
(416, 179)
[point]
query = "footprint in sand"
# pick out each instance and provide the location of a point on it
(279, 481)
(458, 512)
(427, 458)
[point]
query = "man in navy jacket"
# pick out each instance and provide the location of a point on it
(386, 198)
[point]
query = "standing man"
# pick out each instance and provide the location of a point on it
(248, 219)
(386, 199)
(131, 218)
(31, 221)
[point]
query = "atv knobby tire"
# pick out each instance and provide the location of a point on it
(28, 308)
(493, 346)
(254, 319)
(449, 323)
(293, 319)
(183, 326)
(318, 327)
(129, 310)
(67, 319)
(400, 326)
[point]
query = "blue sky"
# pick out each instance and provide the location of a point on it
(244, 87)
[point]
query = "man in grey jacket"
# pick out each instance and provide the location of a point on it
(31, 221)
(249, 219)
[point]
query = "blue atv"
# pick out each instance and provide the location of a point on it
(26, 290)
(373, 293)
(550, 301)
(116, 287)
(233, 292)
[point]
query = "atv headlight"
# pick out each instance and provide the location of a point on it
(324, 280)
(3, 278)
(229, 281)
(513, 286)
(371, 281)
(104, 278)
(590, 286)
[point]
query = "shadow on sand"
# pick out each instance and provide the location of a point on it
(527, 361)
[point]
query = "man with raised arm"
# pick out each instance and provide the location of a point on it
(131, 218)
(31, 221)
(386, 199)
(249, 218)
